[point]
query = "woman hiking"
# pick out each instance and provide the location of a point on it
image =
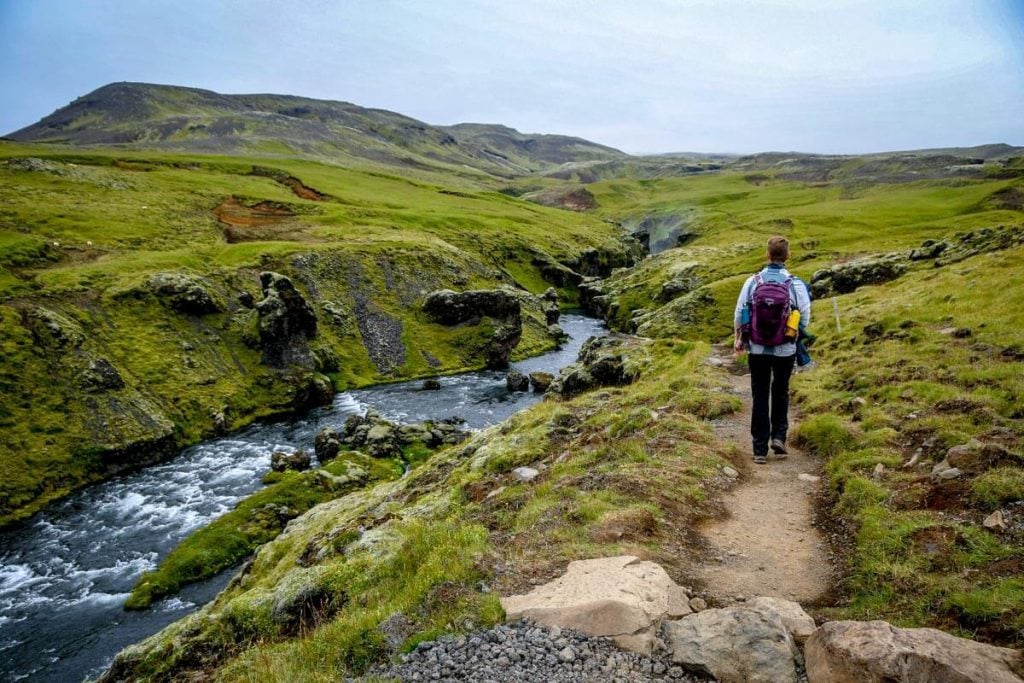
(771, 307)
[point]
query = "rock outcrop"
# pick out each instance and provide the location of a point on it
(601, 364)
(473, 308)
(185, 293)
(286, 323)
(877, 652)
(622, 598)
(847, 277)
(549, 305)
(100, 375)
(381, 438)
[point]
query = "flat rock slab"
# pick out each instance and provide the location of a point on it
(735, 645)
(621, 597)
(877, 652)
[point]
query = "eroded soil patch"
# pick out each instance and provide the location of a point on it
(257, 222)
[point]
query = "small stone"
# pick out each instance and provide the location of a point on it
(730, 472)
(879, 471)
(567, 654)
(995, 521)
(951, 473)
(698, 604)
(525, 474)
(804, 476)
(431, 385)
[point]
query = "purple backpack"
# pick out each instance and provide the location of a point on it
(769, 311)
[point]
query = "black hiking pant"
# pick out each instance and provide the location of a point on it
(769, 384)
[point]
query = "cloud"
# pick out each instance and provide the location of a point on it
(645, 76)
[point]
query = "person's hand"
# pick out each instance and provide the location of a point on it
(737, 346)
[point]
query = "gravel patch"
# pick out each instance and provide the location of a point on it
(525, 651)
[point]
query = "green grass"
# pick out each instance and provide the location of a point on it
(81, 237)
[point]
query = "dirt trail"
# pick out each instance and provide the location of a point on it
(767, 544)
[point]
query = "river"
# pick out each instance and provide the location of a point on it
(66, 572)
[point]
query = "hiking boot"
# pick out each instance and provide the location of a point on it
(761, 459)
(779, 447)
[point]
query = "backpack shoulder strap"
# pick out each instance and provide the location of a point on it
(754, 282)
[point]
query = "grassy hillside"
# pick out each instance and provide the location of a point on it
(103, 372)
(919, 363)
(924, 361)
(148, 116)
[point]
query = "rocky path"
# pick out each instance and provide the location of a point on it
(767, 543)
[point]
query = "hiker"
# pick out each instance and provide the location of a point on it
(766, 325)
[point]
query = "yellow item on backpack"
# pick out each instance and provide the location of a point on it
(793, 324)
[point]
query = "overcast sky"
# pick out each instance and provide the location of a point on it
(642, 75)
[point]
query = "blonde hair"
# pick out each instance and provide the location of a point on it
(778, 249)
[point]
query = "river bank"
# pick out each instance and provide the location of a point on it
(65, 573)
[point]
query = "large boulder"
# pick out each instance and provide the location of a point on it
(501, 307)
(877, 652)
(326, 445)
(798, 622)
(282, 462)
(735, 645)
(517, 381)
(601, 363)
(186, 293)
(621, 597)
(541, 381)
(381, 438)
(286, 323)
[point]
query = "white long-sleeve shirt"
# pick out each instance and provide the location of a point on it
(802, 302)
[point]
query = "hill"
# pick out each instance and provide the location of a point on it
(142, 115)
(922, 365)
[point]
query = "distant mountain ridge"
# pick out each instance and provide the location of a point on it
(180, 118)
(169, 117)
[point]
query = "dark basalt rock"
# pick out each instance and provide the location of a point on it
(297, 461)
(454, 308)
(431, 385)
(472, 308)
(601, 363)
(185, 293)
(517, 381)
(100, 375)
(847, 277)
(382, 438)
(326, 445)
(311, 390)
(286, 323)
